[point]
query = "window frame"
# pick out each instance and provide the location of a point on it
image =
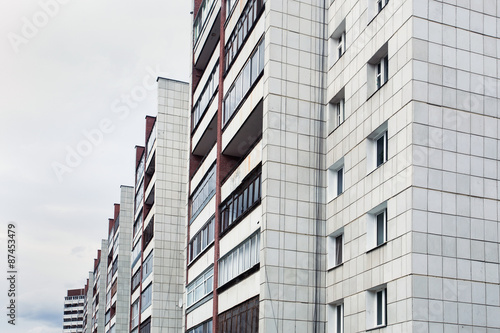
(149, 299)
(336, 111)
(332, 249)
(333, 317)
(372, 148)
(240, 259)
(372, 227)
(201, 280)
(333, 180)
(376, 307)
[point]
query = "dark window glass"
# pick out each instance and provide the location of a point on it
(381, 228)
(339, 319)
(340, 181)
(241, 201)
(136, 280)
(380, 305)
(243, 318)
(381, 150)
(338, 250)
(148, 234)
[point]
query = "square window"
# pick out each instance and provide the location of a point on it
(335, 179)
(376, 229)
(376, 307)
(335, 243)
(335, 317)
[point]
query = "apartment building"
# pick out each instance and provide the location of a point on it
(73, 311)
(343, 166)
(157, 261)
(87, 304)
(117, 314)
(99, 289)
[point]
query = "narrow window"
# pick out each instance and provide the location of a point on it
(380, 305)
(381, 229)
(338, 249)
(340, 181)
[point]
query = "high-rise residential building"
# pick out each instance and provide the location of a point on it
(157, 282)
(117, 314)
(99, 289)
(87, 305)
(73, 311)
(343, 166)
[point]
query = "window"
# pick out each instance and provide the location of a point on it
(201, 18)
(139, 172)
(336, 111)
(151, 139)
(229, 7)
(241, 31)
(335, 248)
(146, 326)
(135, 314)
(114, 267)
(341, 45)
(203, 193)
(202, 239)
(200, 287)
(236, 94)
(335, 317)
(146, 298)
(206, 96)
(377, 226)
(242, 200)
(136, 253)
(147, 266)
(376, 306)
(378, 70)
(136, 280)
(243, 318)
(381, 4)
(337, 44)
(377, 145)
(240, 259)
(137, 225)
(335, 178)
(139, 196)
(206, 327)
(382, 74)
(148, 233)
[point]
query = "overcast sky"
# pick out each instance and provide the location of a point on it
(71, 70)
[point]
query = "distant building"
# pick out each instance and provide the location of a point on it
(73, 311)
(99, 289)
(87, 305)
(157, 282)
(117, 317)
